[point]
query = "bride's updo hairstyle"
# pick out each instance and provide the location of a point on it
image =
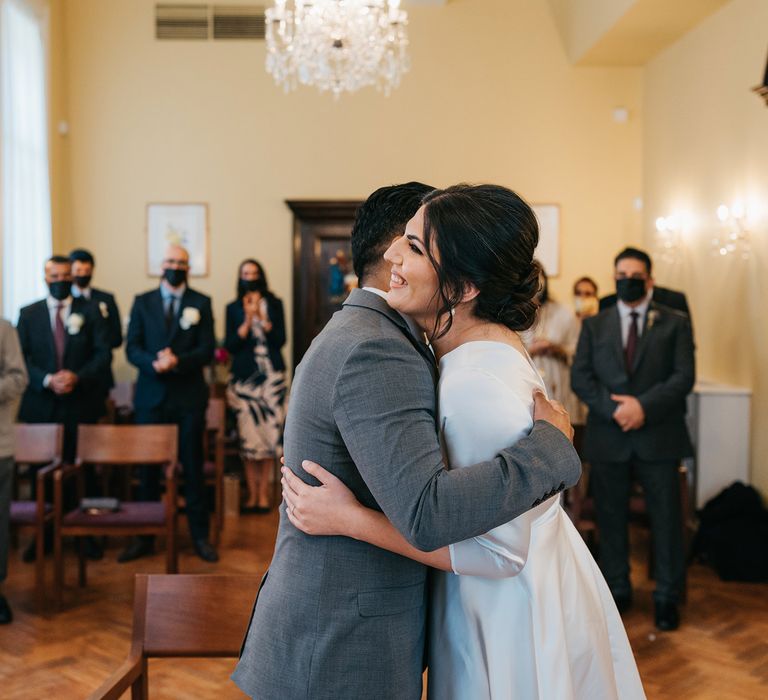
(486, 236)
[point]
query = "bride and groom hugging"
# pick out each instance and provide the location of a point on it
(517, 606)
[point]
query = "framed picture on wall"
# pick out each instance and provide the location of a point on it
(548, 250)
(177, 224)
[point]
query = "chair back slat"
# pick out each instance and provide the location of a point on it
(127, 444)
(37, 443)
(215, 415)
(197, 615)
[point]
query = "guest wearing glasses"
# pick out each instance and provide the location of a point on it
(257, 388)
(170, 340)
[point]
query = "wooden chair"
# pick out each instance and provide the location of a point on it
(581, 508)
(37, 444)
(213, 467)
(182, 616)
(125, 446)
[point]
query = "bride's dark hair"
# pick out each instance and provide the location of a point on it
(486, 235)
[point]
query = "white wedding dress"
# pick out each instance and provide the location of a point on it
(527, 613)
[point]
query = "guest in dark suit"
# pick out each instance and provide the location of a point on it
(634, 368)
(256, 391)
(82, 274)
(66, 348)
(170, 340)
(660, 295)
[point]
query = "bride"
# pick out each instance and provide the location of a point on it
(522, 611)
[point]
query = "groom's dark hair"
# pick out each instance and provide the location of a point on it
(381, 218)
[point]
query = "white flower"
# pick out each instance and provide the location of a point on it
(653, 315)
(103, 308)
(190, 316)
(75, 323)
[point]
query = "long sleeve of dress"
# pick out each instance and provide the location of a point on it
(479, 410)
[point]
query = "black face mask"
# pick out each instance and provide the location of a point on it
(175, 277)
(630, 289)
(245, 286)
(60, 290)
(83, 281)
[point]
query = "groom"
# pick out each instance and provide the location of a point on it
(337, 618)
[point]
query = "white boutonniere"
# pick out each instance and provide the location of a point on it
(190, 316)
(75, 323)
(103, 308)
(653, 316)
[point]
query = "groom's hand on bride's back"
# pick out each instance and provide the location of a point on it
(552, 412)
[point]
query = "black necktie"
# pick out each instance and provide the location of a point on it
(170, 313)
(629, 351)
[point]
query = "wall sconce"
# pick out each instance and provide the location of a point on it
(669, 238)
(733, 238)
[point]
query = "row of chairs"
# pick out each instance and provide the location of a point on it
(163, 627)
(110, 446)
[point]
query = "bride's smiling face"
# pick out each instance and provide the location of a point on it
(413, 285)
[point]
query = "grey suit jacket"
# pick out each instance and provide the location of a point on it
(340, 619)
(661, 378)
(13, 381)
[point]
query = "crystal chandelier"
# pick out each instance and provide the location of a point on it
(337, 45)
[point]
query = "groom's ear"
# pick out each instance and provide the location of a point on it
(470, 292)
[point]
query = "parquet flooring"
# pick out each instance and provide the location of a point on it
(720, 652)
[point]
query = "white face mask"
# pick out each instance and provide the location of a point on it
(586, 306)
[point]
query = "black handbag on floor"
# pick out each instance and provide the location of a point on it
(733, 534)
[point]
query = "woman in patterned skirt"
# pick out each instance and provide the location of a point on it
(257, 387)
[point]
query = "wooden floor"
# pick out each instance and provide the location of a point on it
(720, 652)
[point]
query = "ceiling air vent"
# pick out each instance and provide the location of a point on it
(181, 21)
(238, 22)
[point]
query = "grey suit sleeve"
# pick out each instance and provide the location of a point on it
(660, 398)
(384, 408)
(584, 381)
(13, 370)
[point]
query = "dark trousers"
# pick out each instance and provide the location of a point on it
(191, 422)
(611, 483)
(6, 481)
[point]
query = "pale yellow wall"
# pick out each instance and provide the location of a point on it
(706, 143)
(59, 147)
(491, 97)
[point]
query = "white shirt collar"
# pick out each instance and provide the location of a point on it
(625, 310)
(77, 292)
(53, 303)
(378, 292)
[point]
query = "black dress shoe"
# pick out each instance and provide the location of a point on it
(93, 549)
(259, 510)
(206, 551)
(667, 617)
(6, 615)
(623, 602)
(139, 547)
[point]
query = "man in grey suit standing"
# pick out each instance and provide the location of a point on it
(634, 367)
(13, 381)
(337, 618)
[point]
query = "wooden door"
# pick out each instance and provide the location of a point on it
(322, 265)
